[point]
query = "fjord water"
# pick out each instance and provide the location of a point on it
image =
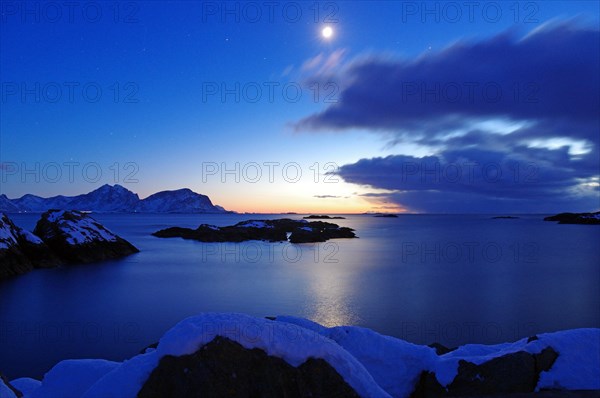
(452, 279)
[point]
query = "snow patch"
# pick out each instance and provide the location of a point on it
(7, 238)
(31, 238)
(10, 234)
(578, 364)
(26, 385)
(55, 215)
(591, 216)
(254, 224)
(209, 226)
(82, 229)
(73, 377)
(395, 364)
(6, 392)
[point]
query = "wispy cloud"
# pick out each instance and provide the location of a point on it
(330, 197)
(325, 64)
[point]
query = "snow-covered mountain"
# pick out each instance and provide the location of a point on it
(7, 205)
(178, 201)
(115, 198)
(33, 203)
(106, 199)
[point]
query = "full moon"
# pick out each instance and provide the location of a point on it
(327, 32)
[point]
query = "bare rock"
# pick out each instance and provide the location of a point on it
(77, 238)
(21, 251)
(223, 368)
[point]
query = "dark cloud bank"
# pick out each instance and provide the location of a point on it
(458, 102)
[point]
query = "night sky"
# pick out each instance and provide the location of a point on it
(432, 107)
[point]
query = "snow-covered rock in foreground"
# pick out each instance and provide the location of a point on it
(6, 390)
(21, 251)
(396, 364)
(72, 378)
(26, 385)
(294, 345)
(373, 365)
(78, 238)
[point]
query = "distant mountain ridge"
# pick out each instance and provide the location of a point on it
(115, 199)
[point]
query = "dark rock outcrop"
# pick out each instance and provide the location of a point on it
(223, 368)
(77, 238)
(504, 218)
(210, 233)
(518, 372)
(386, 215)
(21, 251)
(300, 231)
(441, 349)
(576, 218)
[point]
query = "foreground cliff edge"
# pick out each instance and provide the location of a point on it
(229, 354)
(60, 237)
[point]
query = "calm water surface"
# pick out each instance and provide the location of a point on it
(424, 278)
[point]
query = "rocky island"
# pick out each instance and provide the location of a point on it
(21, 251)
(576, 218)
(77, 238)
(60, 237)
(296, 231)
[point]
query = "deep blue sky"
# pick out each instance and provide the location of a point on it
(166, 127)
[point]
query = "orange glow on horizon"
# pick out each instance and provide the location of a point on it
(354, 205)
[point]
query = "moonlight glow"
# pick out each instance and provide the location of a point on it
(327, 32)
